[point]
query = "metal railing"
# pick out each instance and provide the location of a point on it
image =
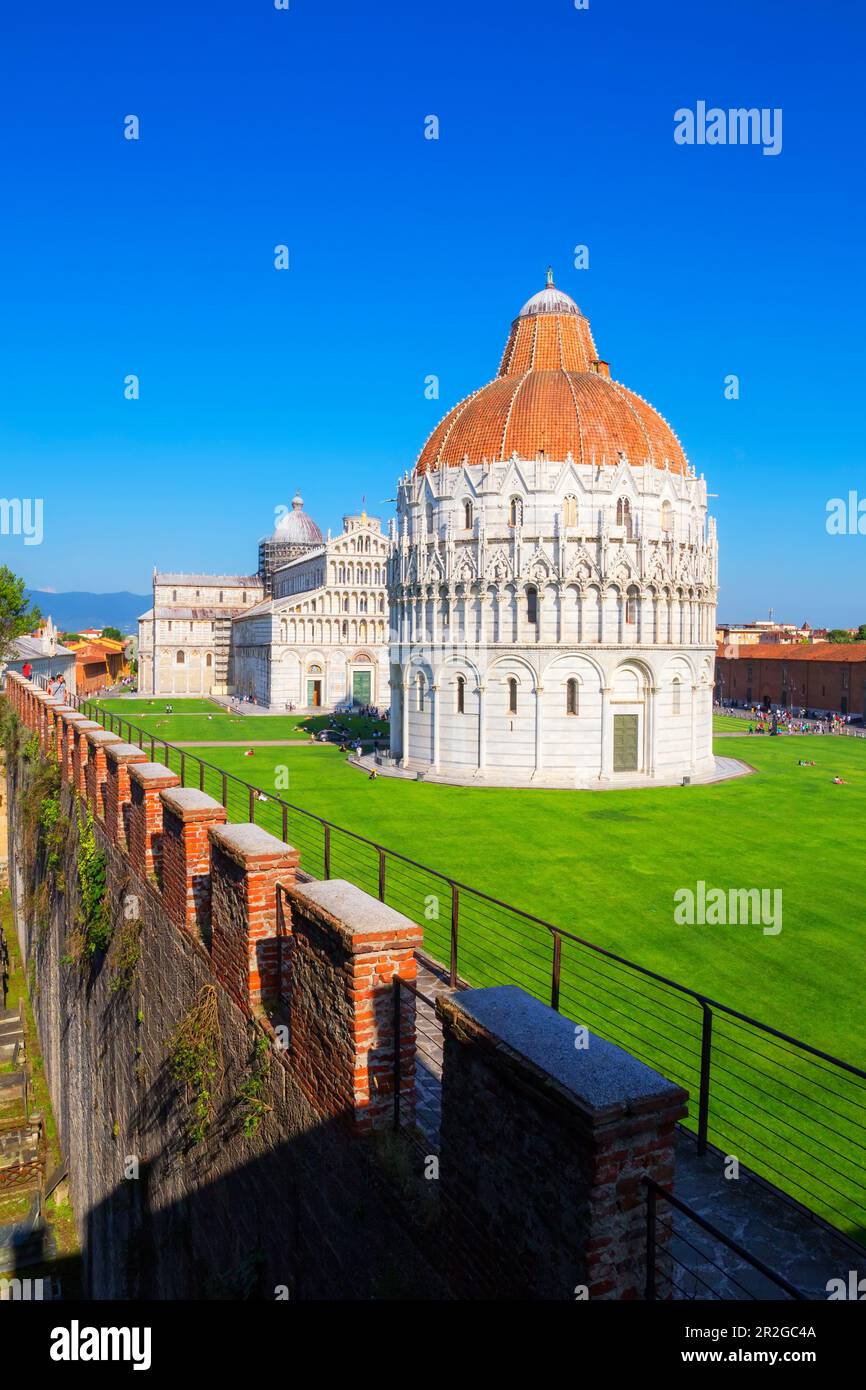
(687, 1257)
(789, 1111)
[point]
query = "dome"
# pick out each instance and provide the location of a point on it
(296, 528)
(553, 395)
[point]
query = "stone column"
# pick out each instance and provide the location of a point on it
(118, 796)
(606, 736)
(247, 865)
(187, 817)
(146, 781)
(482, 727)
(404, 711)
(539, 729)
(347, 949)
(434, 715)
(693, 731)
(651, 698)
(534, 1108)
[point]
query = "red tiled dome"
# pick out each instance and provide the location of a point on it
(552, 395)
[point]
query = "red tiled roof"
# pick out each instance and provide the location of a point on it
(553, 395)
(851, 652)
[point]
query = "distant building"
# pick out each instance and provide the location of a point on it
(322, 639)
(45, 654)
(749, 634)
(99, 662)
(826, 677)
(184, 640)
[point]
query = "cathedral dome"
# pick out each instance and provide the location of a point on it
(553, 396)
(296, 528)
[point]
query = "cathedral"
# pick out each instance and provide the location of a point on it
(553, 583)
(309, 630)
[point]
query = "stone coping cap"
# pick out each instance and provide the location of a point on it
(65, 709)
(363, 922)
(191, 804)
(73, 716)
(99, 737)
(153, 776)
(600, 1077)
(250, 844)
(125, 752)
(85, 724)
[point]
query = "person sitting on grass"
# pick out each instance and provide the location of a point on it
(839, 782)
(373, 775)
(248, 753)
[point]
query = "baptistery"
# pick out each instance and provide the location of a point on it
(553, 582)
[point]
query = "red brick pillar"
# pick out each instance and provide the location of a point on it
(79, 753)
(40, 700)
(60, 714)
(69, 720)
(187, 815)
(552, 1132)
(118, 796)
(96, 770)
(146, 781)
(347, 948)
(246, 865)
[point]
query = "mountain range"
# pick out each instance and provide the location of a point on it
(76, 609)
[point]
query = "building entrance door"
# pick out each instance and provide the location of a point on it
(361, 687)
(314, 693)
(625, 743)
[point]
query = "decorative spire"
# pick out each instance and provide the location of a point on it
(550, 275)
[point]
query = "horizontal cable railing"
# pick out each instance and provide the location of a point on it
(787, 1110)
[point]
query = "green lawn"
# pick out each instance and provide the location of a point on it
(605, 866)
(210, 723)
(132, 706)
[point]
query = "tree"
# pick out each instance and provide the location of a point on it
(16, 615)
(114, 634)
(839, 634)
(861, 633)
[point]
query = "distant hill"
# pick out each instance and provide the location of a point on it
(73, 610)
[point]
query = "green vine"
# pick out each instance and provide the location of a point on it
(94, 912)
(195, 1054)
(250, 1091)
(125, 955)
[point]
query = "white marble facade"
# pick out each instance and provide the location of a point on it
(553, 624)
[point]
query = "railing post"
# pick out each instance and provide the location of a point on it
(182, 768)
(381, 874)
(706, 1057)
(251, 802)
(557, 965)
(327, 850)
(455, 917)
(225, 792)
(397, 1044)
(285, 821)
(650, 1290)
(153, 750)
(200, 775)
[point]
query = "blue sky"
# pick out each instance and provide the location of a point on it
(411, 256)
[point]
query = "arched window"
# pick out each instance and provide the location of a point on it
(429, 516)
(623, 515)
(667, 516)
(676, 701)
(569, 511)
(461, 694)
(512, 695)
(572, 698)
(180, 658)
(631, 606)
(515, 511)
(345, 603)
(419, 687)
(209, 659)
(532, 605)
(467, 516)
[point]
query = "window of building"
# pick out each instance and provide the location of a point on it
(532, 605)
(515, 511)
(512, 695)
(221, 595)
(631, 606)
(467, 515)
(572, 699)
(569, 511)
(667, 516)
(461, 694)
(623, 515)
(180, 658)
(429, 516)
(208, 661)
(419, 686)
(677, 696)
(174, 595)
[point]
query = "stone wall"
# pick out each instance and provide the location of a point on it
(295, 1182)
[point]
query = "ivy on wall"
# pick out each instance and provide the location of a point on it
(196, 1060)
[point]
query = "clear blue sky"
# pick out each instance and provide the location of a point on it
(411, 256)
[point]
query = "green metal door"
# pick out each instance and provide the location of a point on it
(361, 686)
(625, 743)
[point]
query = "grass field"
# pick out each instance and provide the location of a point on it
(195, 721)
(605, 866)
